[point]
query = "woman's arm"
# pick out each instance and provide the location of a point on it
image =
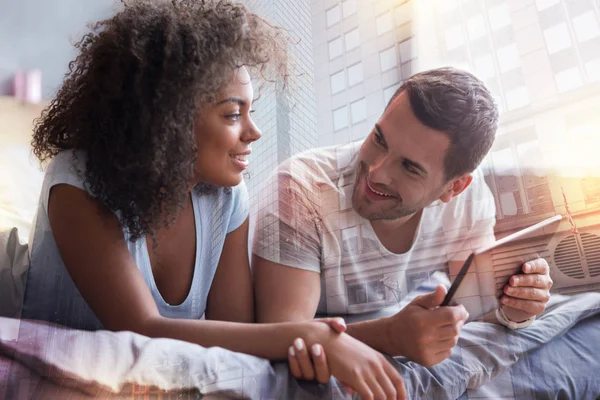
(231, 296)
(92, 246)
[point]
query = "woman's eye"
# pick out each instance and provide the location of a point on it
(233, 117)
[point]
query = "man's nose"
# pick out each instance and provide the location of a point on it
(380, 173)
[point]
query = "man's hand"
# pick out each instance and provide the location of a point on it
(424, 332)
(527, 294)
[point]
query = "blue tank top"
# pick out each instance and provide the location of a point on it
(50, 293)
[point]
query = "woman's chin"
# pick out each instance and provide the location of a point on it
(235, 180)
(229, 180)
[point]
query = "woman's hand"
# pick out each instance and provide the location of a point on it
(356, 365)
(311, 364)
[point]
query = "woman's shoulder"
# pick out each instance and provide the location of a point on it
(67, 163)
(232, 202)
(67, 167)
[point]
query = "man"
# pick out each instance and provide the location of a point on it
(358, 223)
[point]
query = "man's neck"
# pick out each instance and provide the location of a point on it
(397, 235)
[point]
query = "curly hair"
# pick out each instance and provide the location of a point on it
(130, 98)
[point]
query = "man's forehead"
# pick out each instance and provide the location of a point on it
(409, 138)
(399, 101)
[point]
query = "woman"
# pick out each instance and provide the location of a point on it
(143, 218)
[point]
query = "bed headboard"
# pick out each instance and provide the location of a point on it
(16, 120)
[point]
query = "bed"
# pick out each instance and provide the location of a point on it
(556, 358)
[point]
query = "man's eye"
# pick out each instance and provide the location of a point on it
(378, 138)
(410, 168)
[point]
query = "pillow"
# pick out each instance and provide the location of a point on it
(20, 185)
(20, 175)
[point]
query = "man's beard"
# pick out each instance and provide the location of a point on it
(391, 212)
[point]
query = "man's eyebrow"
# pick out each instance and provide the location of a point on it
(408, 160)
(238, 100)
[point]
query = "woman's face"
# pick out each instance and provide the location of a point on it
(224, 131)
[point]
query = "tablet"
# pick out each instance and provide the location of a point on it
(480, 282)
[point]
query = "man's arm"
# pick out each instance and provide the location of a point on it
(292, 294)
(287, 281)
(284, 293)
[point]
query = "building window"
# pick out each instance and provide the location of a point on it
(557, 38)
(384, 23)
(338, 82)
(446, 5)
(592, 69)
(388, 58)
(415, 279)
(358, 111)
(350, 242)
(508, 58)
(355, 74)
(499, 16)
(357, 294)
(517, 98)
(355, 239)
(519, 189)
(454, 37)
(343, 158)
(408, 50)
(352, 39)
(348, 7)
(543, 4)
(340, 118)
(591, 190)
(484, 67)
(404, 14)
(333, 15)
(476, 27)
(389, 92)
(346, 202)
(568, 79)
(366, 292)
(335, 48)
(370, 242)
(586, 26)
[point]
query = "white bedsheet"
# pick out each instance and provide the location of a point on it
(556, 353)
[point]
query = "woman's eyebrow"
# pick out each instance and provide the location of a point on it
(238, 100)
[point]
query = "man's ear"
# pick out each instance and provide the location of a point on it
(456, 186)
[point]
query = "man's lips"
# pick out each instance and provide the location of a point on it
(373, 188)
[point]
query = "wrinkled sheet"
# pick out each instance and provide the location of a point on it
(14, 263)
(555, 358)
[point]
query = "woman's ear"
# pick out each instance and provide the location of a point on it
(456, 187)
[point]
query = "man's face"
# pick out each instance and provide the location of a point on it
(400, 167)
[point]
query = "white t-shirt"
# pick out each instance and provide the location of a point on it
(315, 228)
